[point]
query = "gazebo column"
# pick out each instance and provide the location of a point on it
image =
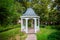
(22, 24)
(35, 24)
(38, 24)
(26, 25)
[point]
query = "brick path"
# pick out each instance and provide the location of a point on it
(31, 35)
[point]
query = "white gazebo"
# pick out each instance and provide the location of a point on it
(29, 14)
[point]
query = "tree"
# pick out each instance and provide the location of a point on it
(46, 9)
(8, 12)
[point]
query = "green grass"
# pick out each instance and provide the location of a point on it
(23, 36)
(6, 35)
(44, 33)
(10, 33)
(9, 27)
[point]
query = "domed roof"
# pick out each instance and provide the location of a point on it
(29, 12)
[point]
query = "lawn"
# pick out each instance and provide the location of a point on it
(48, 34)
(23, 36)
(11, 33)
(8, 34)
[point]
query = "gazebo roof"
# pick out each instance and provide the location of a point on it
(29, 12)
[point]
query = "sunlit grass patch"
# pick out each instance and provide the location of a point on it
(10, 33)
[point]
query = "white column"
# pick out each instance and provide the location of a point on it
(26, 25)
(35, 24)
(21, 24)
(38, 24)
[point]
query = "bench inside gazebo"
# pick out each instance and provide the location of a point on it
(30, 15)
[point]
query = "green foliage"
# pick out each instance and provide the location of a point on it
(54, 36)
(57, 1)
(4, 11)
(46, 9)
(57, 27)
(8, 12)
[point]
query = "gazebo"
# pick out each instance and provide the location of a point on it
(29, 14)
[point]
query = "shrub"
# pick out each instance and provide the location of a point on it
(2, 29)
(54, 36)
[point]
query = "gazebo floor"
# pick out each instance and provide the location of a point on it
(31, 31)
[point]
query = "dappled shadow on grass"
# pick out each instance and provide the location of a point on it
(23, 35)
(54, 36)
